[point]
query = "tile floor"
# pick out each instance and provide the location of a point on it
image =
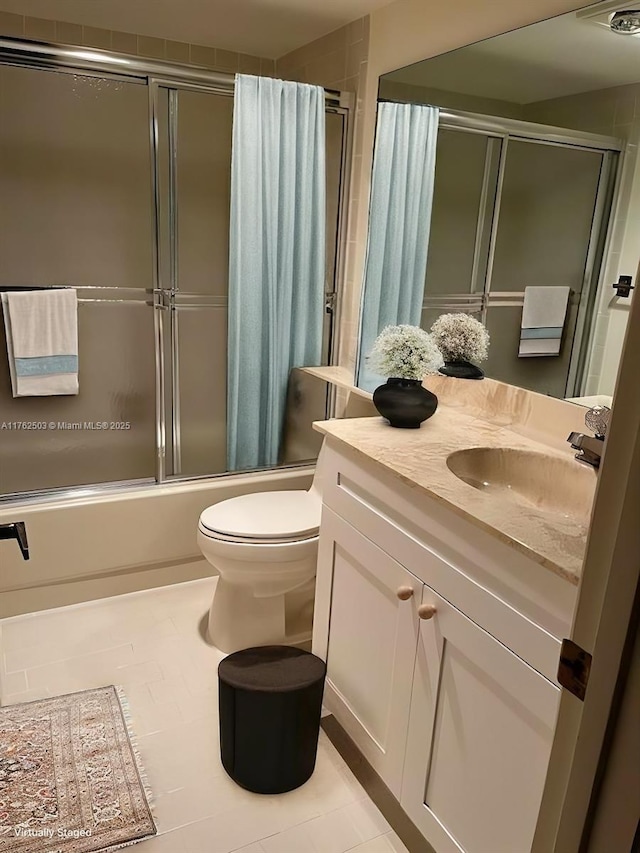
(150, 643)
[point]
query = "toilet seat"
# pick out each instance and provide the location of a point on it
(247, 540)
(264, 549)
(263, 517)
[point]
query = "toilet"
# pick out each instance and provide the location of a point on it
(264, 546)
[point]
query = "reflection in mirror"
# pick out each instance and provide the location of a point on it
(537, 185)
(401, 199)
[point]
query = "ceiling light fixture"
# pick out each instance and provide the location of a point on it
(626, 22)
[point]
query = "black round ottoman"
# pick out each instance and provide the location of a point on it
(270, 703)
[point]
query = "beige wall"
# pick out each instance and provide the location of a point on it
(611, 112)
(339, 61)
(395, 90)
(334, 61)
(40, 29)
(614, 112)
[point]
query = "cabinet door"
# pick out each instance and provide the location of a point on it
(368, 636)
(480, 733)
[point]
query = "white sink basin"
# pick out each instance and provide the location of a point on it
(549, 483)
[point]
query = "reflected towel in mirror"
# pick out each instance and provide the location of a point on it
(543, 317)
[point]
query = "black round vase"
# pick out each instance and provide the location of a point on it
(405, 403)
(462, 370)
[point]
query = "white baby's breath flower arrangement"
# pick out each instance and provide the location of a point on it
(460, 337)
(405, 352)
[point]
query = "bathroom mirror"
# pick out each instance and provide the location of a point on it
(536, 183)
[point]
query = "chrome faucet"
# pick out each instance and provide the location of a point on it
(590, 447)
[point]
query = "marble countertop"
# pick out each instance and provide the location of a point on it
(418, 458)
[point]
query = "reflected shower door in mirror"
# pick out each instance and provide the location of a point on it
(509, 212)
(537, 183)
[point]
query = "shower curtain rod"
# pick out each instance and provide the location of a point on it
(50, 56)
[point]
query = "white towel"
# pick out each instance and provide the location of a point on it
(42, 341)
(543, 317)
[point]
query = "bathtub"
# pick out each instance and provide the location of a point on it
(103, 543)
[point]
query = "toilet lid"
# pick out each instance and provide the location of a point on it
(265, 515)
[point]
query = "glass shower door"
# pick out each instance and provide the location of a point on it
(76, 207)
(119, 185)
(193, 172)
(195, 178)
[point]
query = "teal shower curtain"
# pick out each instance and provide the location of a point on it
(404, 163)
(276, 258)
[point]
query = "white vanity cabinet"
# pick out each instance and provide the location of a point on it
(369, 642)
(421, 672)
(480, 731)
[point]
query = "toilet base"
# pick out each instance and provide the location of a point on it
(238, 620)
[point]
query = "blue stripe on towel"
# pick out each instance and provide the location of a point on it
(546, 332)
(46, 365)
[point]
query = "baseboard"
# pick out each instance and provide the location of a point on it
(64, 593)
(393, 812)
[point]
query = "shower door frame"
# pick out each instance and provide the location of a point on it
(165, 301)
(479, 301)
(171, 300)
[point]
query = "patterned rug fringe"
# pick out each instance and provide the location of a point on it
(86, 737)
(115, 847)
(126, 713)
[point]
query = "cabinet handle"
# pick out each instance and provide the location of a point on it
(404, 593)
(426, 611)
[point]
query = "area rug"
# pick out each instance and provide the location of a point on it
(70, 776)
